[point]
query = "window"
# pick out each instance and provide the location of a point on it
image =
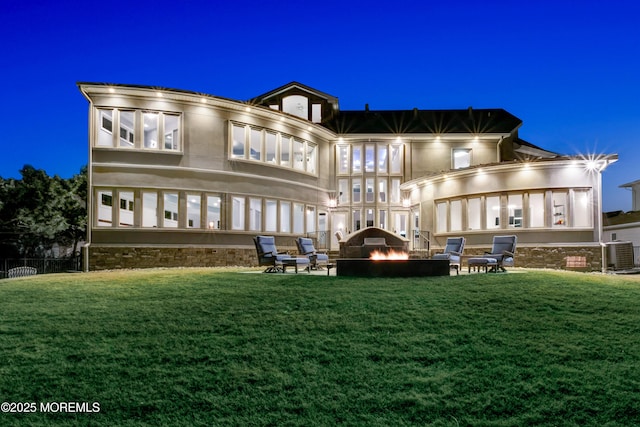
(126, 209)
(382, 159)
(149, 209)
(150, 121)
(536, 210)
(255, 144)
(514, 207)
(370, 197)
(382, 190)
(171, 132)
(213, 212)
(356, 186)
(298, 218)
(343, 159)
(316, 113)
(105, 208)
(127, 126)
(170, 210)
(461, 158)
(356, 166)
(582, 211)
(343, 191)
(237, 213)
(456, 215)
(395, 190)
(396, 159)
(356, 219)
(474, 213)
(298, 154)
(383, 219)
(285, 217)
(493, 212)
(311, 219)
(285, 151)
(194, 207)
(105, 134)
(559, 205)
(255, 214)
(369, 217)
(441, 217)
(270, 147)
(271, 215)
(369, 158)
(311, 158)
(237, 145)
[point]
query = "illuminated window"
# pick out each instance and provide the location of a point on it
(456, 215)
(343, 159)
(170, 210)
(474, 213)
(127, 126)
(536, 210)
(237, 213)
(150, 121)
(194, 207)
(255, 214)
(213, 212)
(582, 210)
(514, 207)
(461, 158)
(126, 209)
(493, 212)
(105, 134)
(105, 208)
(149, 209)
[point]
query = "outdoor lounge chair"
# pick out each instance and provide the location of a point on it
(452, 252)
(503, 251)
(306, 248)
(268, 254)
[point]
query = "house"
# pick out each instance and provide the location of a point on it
(181, 178)
(621, 226)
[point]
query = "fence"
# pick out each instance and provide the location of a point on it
(43, 265)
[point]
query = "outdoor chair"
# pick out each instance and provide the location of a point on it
(306, 248)
(452, 252)
(268, 255)
(503, 251)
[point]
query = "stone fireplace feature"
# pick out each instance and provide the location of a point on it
(361, 243)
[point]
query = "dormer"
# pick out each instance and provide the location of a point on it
(300, 101)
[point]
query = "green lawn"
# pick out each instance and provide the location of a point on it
(226, 348)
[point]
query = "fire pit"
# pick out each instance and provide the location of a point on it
(364, 267)
(374, 252)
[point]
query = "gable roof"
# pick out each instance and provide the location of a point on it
(424, 121)
(293, 86)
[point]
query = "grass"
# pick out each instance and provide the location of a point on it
(224, 348)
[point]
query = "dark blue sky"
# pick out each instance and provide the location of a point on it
(569, 69)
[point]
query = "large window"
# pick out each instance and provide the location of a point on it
(170, 210)
(105, 208)
(126, 208)
(268, 146)
(567, 208)
(150, 120)
(356, 187)
(271, 215)
(105, 134)
(536, 210)
(343, 159)
(395, 159)
(474, 213)
(461, 158)
(456, 215)
(194, 208)
(514, 207)
(582, 209)
(369, 158)
(285, 217)
(213, 212)
(298, 218)
(237, 213)
(171, 132)
(493, 212)
(255, 214)
(127, 129)
(149, 209)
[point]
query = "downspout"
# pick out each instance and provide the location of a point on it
(498, 155)
(87, 244)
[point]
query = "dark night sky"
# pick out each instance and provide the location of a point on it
(569, 69)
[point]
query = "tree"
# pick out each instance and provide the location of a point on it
(38, 211)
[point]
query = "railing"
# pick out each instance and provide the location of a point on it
(421, 240)
(43, 265)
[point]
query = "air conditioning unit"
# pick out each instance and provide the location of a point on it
(620, 255)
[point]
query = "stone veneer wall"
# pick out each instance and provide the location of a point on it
(548, 257)
(106, 258)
